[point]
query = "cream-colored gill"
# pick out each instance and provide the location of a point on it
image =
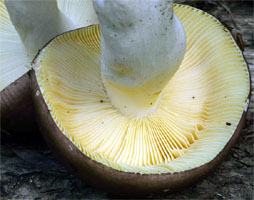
(28, 25)
(13, 59)
(199, 110)
(81, 12)
(143, 44)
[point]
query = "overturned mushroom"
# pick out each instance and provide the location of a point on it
(114, 105)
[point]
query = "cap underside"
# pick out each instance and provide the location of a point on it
(14, 61)
(80, 12)
(198, 113)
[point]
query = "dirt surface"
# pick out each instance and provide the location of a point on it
(29, 171)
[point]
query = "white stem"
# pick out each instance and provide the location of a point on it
(37, 22)
(143, 44)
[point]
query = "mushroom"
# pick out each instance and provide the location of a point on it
(25, 27)
(117, 103)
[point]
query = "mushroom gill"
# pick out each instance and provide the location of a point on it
(197, 114)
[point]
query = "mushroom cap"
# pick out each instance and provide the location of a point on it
(199, 118)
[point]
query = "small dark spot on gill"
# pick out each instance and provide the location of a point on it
(193, 97)
(114, 25)
(171, 17)
(68, 111)
(125, 106)
(151, 103)
(228, 123)
(155, 6)
(225, 97)
(101, 101)
(162, 13)
(102, 122)
(140, 20)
